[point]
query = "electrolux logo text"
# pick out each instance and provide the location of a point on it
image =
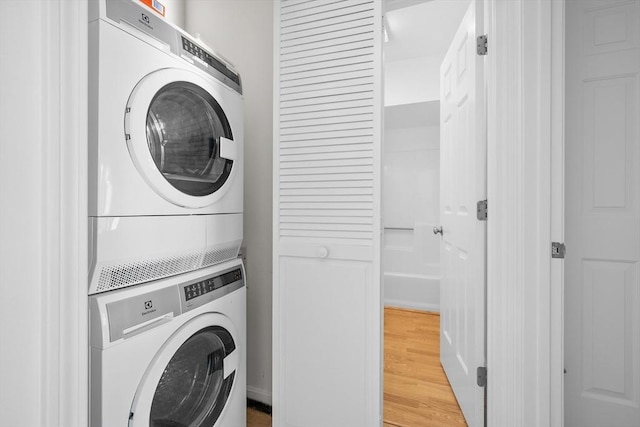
(148, 307)
(145, 20)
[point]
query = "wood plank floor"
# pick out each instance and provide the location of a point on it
(416, 390)
(256, 418)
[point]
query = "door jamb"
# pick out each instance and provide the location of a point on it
(525, 191)
(557, 209)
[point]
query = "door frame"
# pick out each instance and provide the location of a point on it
(525, 78)
(65, 233)
(525, 188)
(557, 201)
(56, 314)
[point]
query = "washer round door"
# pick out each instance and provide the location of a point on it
(180, 138)
(192, 377)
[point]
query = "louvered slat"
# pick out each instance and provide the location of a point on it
(360, 68)
(305, 51)
(338, 214)
(337, 36)
(325, 184)
(336, 133)
(302, 60)
(326, 94)
(322, 11)
(341, 177)
(326, 191)
(327, 227)
(291, 151)
(330, 144)
(319, 156)
(342, 220)
(352, 12)
(337, 107)
(317, 88)
(304, 234)
(327, 75)
(286, 5)
(347, 118)
(325, 128)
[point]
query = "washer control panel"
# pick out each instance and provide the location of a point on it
(122, 314)
(199, 292)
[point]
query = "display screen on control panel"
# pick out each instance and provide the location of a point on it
(205, 286)
(196, 50)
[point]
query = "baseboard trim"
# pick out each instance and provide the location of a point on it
(435, 308)
(412, 310)
(259, 406)
(259, 395)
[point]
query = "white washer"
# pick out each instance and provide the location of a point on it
(172, 352)
(166, 136)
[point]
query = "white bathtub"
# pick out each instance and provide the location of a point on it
(411, 270)
(412, 291)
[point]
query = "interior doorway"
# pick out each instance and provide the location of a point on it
(418, 36)
(602, 213)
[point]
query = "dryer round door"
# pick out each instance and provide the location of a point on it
(179, 137)
(192, 377)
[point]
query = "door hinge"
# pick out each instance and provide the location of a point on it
(482, 210)
(558, 250)
(482, 376)
(482, 44)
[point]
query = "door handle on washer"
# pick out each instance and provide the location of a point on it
(228, 148)
(230, 363)
(141, 327)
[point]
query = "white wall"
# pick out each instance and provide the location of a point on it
(174, 11)
(411, 203)
(242, 32)
(21, 380)
(413, 80)
(419, 36)
(411, 176)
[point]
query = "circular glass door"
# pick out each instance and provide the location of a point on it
(192, 390)
(183, 130)
(178, 130)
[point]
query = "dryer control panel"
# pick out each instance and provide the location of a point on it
(180, 43)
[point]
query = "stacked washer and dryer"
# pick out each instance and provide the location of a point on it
(167, 294)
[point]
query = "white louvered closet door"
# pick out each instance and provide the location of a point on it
(327, 169)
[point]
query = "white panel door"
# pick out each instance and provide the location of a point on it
(463, 184)
(602, 266)
(327, 289)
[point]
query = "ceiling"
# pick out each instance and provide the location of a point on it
(419, 28)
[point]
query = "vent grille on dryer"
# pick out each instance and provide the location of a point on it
(220, 255)
(120, 275)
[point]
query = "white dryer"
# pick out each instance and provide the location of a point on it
(172, 352)
(165, 149)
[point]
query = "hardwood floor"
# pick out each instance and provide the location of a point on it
(416, 390)
(256, 418)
